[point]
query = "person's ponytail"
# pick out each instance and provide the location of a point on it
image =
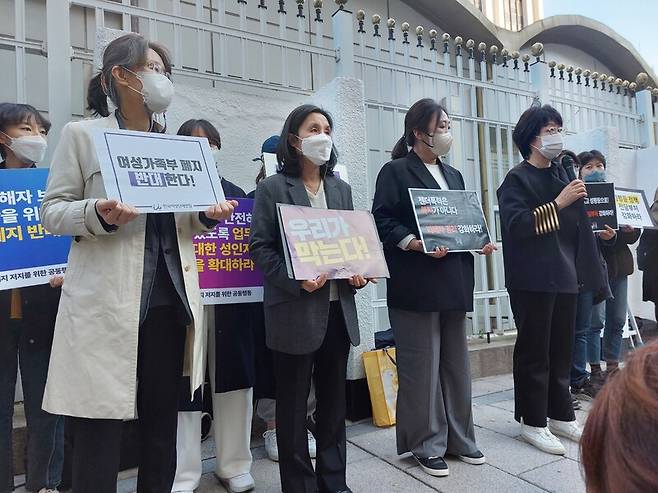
(96, 97)
(401, 148)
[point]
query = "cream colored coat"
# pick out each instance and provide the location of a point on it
(93, 365)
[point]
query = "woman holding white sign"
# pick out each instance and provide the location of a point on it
(309, 324)
(130, 319)
(428, 295)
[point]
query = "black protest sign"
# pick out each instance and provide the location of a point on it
(450, 219)
(601, 206)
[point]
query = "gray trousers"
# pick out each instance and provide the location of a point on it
(434, 415)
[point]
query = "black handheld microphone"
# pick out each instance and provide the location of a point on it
(568, 163)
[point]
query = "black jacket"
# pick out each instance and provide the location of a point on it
(618, 256)
(234, 339)
(418, 282)
(546, 249)
(39, 304)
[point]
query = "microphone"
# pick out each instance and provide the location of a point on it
(567, 163)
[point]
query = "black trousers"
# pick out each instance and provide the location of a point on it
(328, 367)
(542, 355)
(96, 442)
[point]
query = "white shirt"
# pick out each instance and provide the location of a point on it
(319, 201)
(438, 176)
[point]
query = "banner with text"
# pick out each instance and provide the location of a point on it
(450, 219)
(158, 172)
(633, 208)
(29, 255)
(335, 242)
(226, 272)
(601, 206)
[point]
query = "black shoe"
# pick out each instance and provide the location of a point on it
(575, 402)
(585, 391)
(434, 466)
(476, 458)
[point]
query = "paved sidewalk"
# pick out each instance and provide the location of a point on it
(373, 466)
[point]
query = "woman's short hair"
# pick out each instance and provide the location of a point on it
(287, 156)
(587, 156)
(208, 128)
(530, 124)
(14, 114)
(619, 447)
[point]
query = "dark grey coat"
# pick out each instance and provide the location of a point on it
(295, 320)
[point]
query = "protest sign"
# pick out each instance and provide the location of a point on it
(158, 172)
(334, 242)
(600, 206)
(226, 272)
(450, 219)
(633, 208)
(29, 255)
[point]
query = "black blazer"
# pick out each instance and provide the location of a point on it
(234, 339)
(295, 320)
(418, 282)
(545, 249)
(39, 304)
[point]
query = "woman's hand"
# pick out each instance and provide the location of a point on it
(115, 213)
(359, 281)
(488, 249)
(56, 281)
(439, 252)
(608, 234)
(221, 212)
(314, 284)
(571, 193)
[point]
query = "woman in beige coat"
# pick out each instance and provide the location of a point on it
(130, 317)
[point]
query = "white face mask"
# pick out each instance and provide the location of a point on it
(157, 90)
(29, 148)
(317, 148)
(551, 145)
(440, 143)
(215, 155)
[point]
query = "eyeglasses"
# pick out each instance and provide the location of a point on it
(158, 69)
(552, 131)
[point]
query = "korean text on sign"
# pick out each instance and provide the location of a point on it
(29, 254)
(227, 274)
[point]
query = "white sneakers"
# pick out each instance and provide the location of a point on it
(545, 439)
(48, 490)
(273, 450)
(238, 484)
(270, 445)
(567, 429)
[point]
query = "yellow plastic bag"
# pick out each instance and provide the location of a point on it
(382, 374)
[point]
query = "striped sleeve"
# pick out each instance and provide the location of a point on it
(547, 219)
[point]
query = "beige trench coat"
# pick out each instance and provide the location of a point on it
(93, 365)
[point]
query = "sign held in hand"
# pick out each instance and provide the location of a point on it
(158, 172)
(451, 219)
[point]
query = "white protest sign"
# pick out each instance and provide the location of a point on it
(632, 208)
(158, 172)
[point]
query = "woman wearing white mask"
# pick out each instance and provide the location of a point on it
(130, 320)
(428, 296)
(309, 324)
(543, 228)
(27, 322)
